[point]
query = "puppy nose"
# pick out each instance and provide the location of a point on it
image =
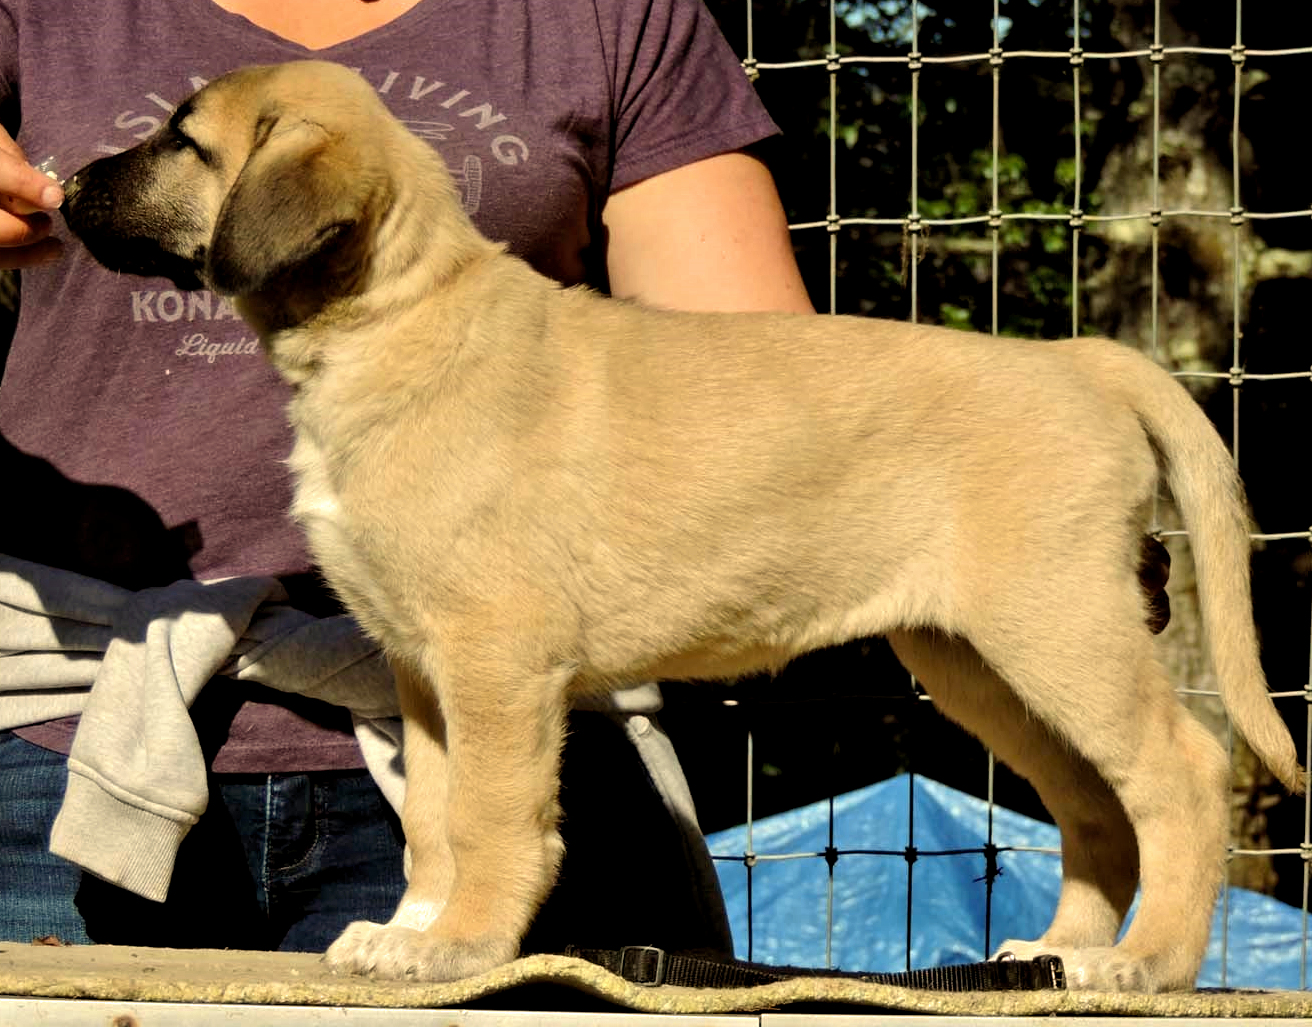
(72, 186)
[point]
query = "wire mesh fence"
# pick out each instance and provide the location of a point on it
(1045, 167)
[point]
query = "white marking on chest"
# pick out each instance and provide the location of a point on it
(315, 499)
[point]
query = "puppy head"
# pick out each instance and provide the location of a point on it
(266, 176)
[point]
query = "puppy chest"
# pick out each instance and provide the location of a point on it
(318, 508)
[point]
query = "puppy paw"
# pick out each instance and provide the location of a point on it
(391, 951)
(1022, 950)
(1096, 968)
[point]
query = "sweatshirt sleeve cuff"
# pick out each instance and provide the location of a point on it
(126, 845)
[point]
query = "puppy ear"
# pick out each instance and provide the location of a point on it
(301, 190)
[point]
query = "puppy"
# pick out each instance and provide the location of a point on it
(527, 492)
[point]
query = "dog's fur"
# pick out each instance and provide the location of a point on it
(526, 492)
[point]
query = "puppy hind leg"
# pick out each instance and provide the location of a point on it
(1104, 693)
(1099, 853)
(1176, 797)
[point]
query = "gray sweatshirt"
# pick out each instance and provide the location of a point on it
(131, 663)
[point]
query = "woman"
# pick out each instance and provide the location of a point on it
(606, 142)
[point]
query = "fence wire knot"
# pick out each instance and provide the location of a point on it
(1077, 56)
(992, 869)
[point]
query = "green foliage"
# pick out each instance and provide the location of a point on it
(956, 173)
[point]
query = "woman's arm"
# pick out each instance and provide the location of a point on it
(710, 235)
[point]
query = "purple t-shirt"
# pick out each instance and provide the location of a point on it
(541, 108)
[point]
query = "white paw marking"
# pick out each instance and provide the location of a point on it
(1097, 968)
(416, 914)
(395, 951)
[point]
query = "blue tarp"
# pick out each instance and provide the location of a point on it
(1266, 938)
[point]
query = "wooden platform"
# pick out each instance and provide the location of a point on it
(50, 984)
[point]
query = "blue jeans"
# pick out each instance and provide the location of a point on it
(285, 861)
(278, 861)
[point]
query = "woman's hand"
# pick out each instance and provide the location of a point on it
(26, 197)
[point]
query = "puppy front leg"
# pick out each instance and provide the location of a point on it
(480, 818)
(429, 870)
(366, 945)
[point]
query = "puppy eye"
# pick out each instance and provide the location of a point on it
(177, 141)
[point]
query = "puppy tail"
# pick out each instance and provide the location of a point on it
(1207, 488)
